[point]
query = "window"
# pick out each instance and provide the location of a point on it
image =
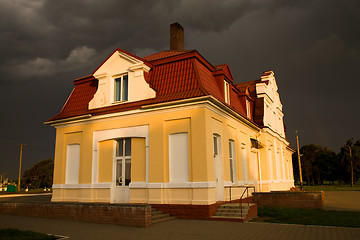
(232, 159)
(226, 92)
(121, 88)
(123, 162)
(216, 149)
(72, 164)
(244, 160)
(248, 110)
(178, 157)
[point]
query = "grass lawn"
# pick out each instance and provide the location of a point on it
(309, 216)
(331, 188)
(14, 234)
(22, 191)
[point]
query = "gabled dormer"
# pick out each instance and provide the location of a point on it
(266, 89)
(121, 80)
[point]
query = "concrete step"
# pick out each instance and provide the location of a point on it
(159, 216)
(236, 205)
(227, 217)
(162, 219)
(154, 213)
(232, 211)
(230, 214)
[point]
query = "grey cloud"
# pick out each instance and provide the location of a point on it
(78, 58)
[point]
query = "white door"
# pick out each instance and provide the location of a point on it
(218, 168)
(122, 169)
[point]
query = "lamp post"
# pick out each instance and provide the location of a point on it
(21, 149)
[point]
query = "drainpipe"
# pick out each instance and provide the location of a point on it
(258, 155)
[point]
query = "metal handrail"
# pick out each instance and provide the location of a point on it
(245, 190)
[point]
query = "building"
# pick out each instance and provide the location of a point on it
(169, 128)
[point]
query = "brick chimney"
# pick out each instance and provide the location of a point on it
(176, 37)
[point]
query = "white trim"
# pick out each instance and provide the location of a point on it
(203, 184)
(81, 186)
(172, 185)
(228, 183)
(270, 181)
(66, 120)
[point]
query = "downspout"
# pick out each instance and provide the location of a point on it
(258, 155)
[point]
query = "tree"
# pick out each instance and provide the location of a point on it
(39, 175)
(318, 164)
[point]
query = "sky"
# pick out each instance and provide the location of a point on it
(312, 46)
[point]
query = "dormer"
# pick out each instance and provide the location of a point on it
(121, 80)
(273, 115)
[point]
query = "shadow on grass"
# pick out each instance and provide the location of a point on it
(15, 234)
(308, 216)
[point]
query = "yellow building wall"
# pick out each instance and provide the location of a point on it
(106, 159)
(138, 160)
(200, 123)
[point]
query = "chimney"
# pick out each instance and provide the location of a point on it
(176, 37)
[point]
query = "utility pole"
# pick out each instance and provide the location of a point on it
(21, 149)
(351, 165)
(298, 151)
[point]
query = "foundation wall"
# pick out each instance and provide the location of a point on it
(120, 214)
(290, 199)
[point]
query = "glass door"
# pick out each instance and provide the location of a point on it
(122, 170)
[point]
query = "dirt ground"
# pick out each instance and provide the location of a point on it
(342, 200)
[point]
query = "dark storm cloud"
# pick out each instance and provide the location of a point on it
(313, 47)
(41, 36)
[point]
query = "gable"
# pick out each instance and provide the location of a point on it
(121, 64)
(267, 90)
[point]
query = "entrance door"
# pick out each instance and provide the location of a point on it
(218, 168)
(122, 165)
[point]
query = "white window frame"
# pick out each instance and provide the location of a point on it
(248, 110)
(124, 91)
(227, 92)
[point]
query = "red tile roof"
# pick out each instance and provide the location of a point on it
(174, 75)
(165, 54)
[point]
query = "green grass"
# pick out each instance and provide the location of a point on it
(309, 216)
(14, 234)
(331, 188)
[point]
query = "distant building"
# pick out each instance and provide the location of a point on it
(169, 128)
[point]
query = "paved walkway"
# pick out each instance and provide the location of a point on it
(178, 229)
(186, 229)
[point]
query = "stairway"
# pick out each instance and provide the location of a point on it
(233, 212)
(159, 216)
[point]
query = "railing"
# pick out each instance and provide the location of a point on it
(241, 198)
